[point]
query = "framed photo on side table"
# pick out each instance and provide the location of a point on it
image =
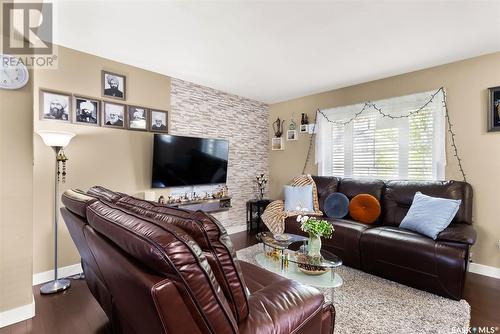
(55, 106)
(113, 85)
(159, 121)
(86, 111)
(113, 115)
(494, 109)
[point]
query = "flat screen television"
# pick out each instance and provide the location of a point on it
(186, 161)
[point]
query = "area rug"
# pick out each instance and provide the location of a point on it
(370, 304)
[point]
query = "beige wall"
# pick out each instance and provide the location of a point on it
(466, 83)
(16, 197)
(118, 159)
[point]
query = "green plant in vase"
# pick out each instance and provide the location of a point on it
(316, 228)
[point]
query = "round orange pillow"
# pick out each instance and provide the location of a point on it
(364, 208)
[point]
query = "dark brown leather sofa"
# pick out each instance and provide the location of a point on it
(155, 269)
(383, 249)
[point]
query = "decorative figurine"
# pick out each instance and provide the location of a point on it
(161, 200)
(278, 127)
(261, 183)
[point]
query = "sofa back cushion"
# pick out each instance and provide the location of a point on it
(399, 195)
(325, 185)
(352, 187)
(105, 194)
(212, 238)
(170, 252)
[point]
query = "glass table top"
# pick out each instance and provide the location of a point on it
(279, 241)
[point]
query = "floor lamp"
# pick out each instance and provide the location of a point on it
(57, 140)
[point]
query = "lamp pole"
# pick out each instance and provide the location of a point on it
(56, 285)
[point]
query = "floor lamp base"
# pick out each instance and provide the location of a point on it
(78, 276)
(55, 286)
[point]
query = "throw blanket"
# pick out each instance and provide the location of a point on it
(275, 214)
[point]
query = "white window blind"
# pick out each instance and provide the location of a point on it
(373, 146)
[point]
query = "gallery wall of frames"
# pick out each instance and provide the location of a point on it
(59, 106)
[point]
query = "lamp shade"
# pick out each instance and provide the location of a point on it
(56, 138)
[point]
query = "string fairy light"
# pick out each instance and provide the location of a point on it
(367, 105)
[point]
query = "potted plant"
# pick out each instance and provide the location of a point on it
(316, 228)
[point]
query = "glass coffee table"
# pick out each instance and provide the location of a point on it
(297, 265)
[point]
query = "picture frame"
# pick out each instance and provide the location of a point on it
(291, 135)
(55, 106)
(86, 111)
(113, 85)
(494, 109)
(277, 144)
(304, 128)
(137, 118)
(113, 115)
(158, 121)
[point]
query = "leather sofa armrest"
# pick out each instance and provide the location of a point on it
(463, 233)
(284, 307)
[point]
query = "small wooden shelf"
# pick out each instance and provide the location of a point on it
(211, 205)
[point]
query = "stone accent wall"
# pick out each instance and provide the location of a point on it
(205, 112)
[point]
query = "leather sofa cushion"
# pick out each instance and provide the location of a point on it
(168, 251)
(105, 194)
(399, 196)
(76, 201)
(212, 238)
(325, 185)
(463, 233)
(353, 187)
(284, 307)
(258, 278)
(416, 260)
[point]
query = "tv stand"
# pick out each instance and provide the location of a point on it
(210, 205)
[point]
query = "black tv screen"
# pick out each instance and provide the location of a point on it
(185, 161)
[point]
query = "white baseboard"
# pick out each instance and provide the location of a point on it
(482, 269)
(47, 276)
(17, 314)
(236, 229)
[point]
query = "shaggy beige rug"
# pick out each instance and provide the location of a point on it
(370, 304)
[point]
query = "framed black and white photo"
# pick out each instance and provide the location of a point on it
(159, 121)
(113, 85)
(277, 144)
(113, 115)
(494, 109)
(291, 135)
(137, 118)
(86, 111)
(304, 128)
(55, 106)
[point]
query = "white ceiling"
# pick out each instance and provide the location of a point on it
(275, 51)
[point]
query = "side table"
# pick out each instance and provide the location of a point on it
(255, 208)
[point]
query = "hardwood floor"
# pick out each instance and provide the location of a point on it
(76, 311)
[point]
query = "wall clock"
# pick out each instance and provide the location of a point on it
(13, 74)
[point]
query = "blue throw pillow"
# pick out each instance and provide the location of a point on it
(299, 197)
(430, 215)
(336, 205)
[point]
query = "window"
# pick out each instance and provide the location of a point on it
(368, 145)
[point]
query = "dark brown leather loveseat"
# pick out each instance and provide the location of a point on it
(383, 249)
(155, 269)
